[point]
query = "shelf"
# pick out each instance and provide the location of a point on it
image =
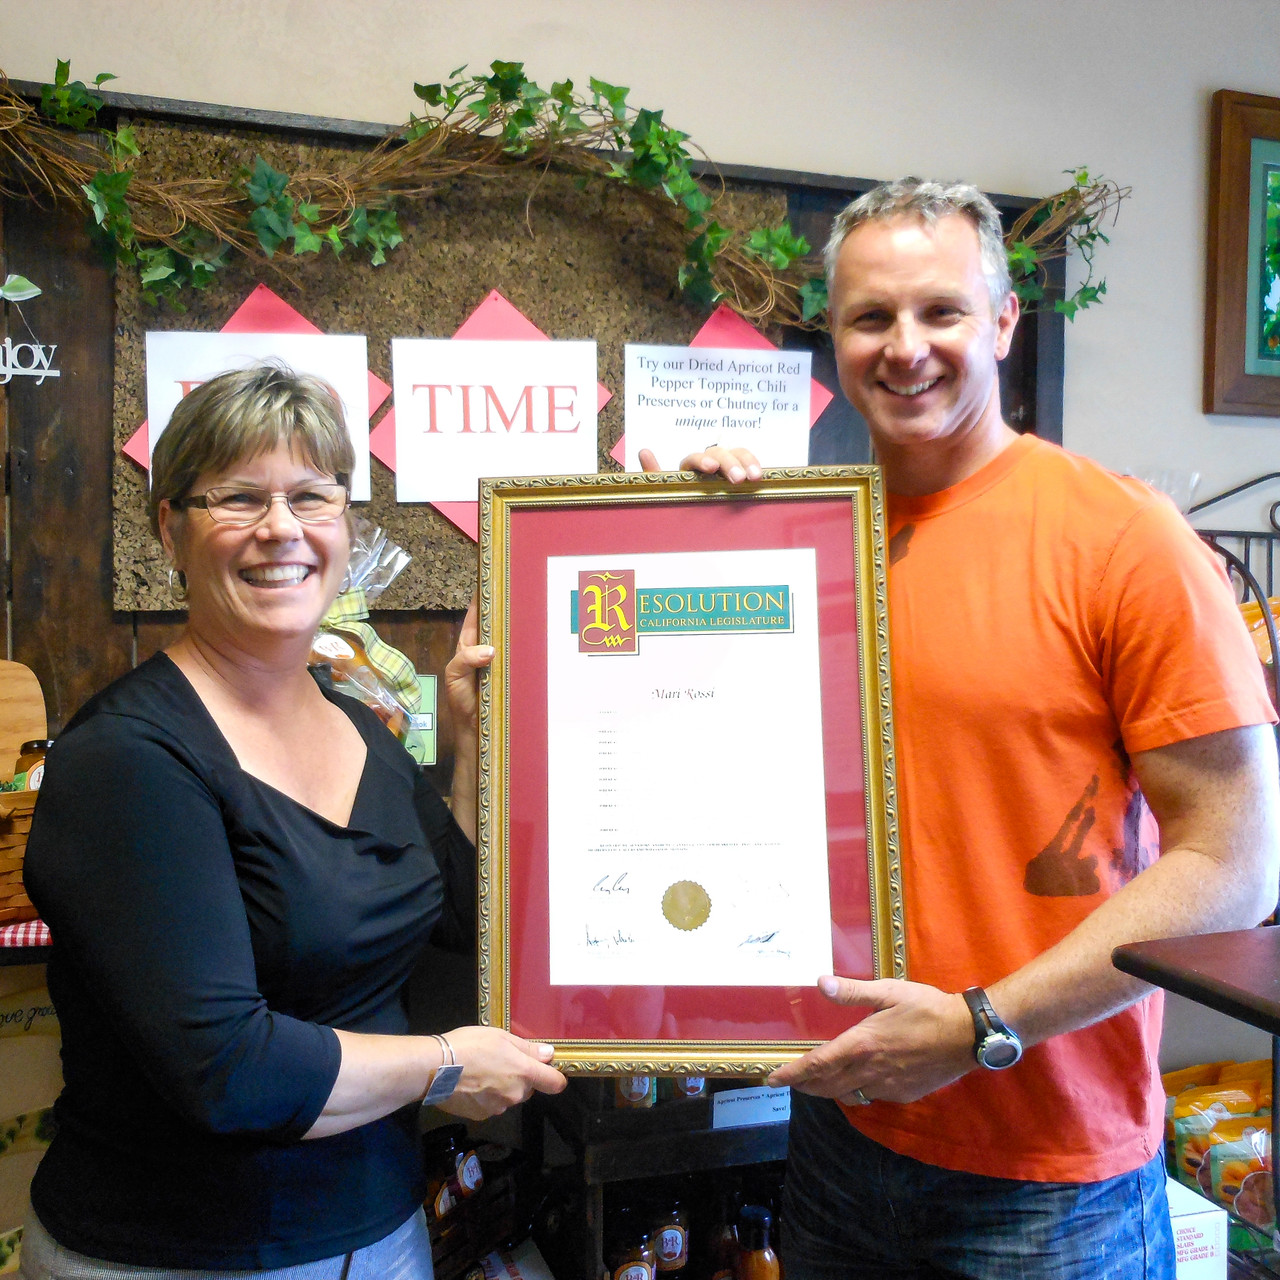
(673, 1137)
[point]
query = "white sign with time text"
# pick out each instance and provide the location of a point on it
(469, 409)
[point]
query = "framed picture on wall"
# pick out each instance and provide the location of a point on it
(687, 779)
(1242, 312)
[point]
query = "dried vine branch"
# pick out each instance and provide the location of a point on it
(177, 233)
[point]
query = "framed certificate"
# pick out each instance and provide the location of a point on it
(686, 760)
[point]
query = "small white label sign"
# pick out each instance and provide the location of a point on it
(734, 1108)
(681, 399)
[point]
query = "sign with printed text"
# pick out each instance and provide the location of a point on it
(470, 409)
(682, 399)
(179, 362)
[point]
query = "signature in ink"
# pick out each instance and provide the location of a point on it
(756, 939)
(604, 885)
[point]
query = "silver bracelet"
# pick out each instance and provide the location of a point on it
(444, 1079)
(445, 1048)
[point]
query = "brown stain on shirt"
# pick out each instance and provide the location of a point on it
(898, 543)
(1058, 870)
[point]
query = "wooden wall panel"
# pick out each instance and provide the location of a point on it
(60, 451)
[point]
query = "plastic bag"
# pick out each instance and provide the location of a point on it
(348, 653)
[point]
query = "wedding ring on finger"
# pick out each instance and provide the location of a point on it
(858, 1098)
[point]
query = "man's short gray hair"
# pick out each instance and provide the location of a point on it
(928, 201)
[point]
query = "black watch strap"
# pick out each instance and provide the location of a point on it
(995, 1044)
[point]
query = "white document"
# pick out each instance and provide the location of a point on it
(680, 399)
(179, 362)
(471, 409)
(686, 803)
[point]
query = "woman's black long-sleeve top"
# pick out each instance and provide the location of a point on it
(208, 933)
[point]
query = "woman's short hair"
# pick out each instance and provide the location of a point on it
(929, 201)
(242, 414)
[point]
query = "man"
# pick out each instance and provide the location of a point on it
(1060, 638)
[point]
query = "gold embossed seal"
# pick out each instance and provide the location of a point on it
(686, 904)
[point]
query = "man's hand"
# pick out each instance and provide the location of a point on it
(735, 465)
(915, 1040)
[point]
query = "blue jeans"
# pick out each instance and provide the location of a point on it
(852, 1208)
(404, 1254)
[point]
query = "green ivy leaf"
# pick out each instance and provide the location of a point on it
(508, 80)
(265, 183)
(1023, 258)
(305, 240)
(123, 142)
(19, 289)
(431, 94)
(776, 246)
(813, 297)
(613, 94)
(155, 265)
(266, 228)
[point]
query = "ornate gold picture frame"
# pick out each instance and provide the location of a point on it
(687, 790)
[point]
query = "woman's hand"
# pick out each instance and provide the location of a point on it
(460, 680)
(499, 1071)
(735, 465)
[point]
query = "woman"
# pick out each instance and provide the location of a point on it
(239, 869)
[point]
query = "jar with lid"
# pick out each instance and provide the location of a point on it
(28, 773)
(670, 1226)
(628, 1251)
(756, 1258)
(635, 1091)
(690, 1086)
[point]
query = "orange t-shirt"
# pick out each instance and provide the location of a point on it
(1046, 619)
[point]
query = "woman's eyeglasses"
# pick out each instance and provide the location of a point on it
(244, 505)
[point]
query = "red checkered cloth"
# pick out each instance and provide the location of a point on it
(26, 933)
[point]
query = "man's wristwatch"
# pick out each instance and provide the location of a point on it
(995, 1044)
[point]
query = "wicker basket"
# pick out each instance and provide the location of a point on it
(16, 808)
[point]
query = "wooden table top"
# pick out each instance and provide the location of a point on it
(1237, 973)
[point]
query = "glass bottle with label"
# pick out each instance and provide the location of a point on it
(721, 1241)
(628, 1252)
(671, 1240)
(444, 1152)
(756, 1258)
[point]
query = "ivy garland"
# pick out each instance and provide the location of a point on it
(177, 234)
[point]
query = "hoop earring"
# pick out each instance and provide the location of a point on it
(178, 585)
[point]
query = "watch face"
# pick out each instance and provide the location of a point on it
(998, 1052)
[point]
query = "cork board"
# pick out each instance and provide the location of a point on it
(579, 264)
